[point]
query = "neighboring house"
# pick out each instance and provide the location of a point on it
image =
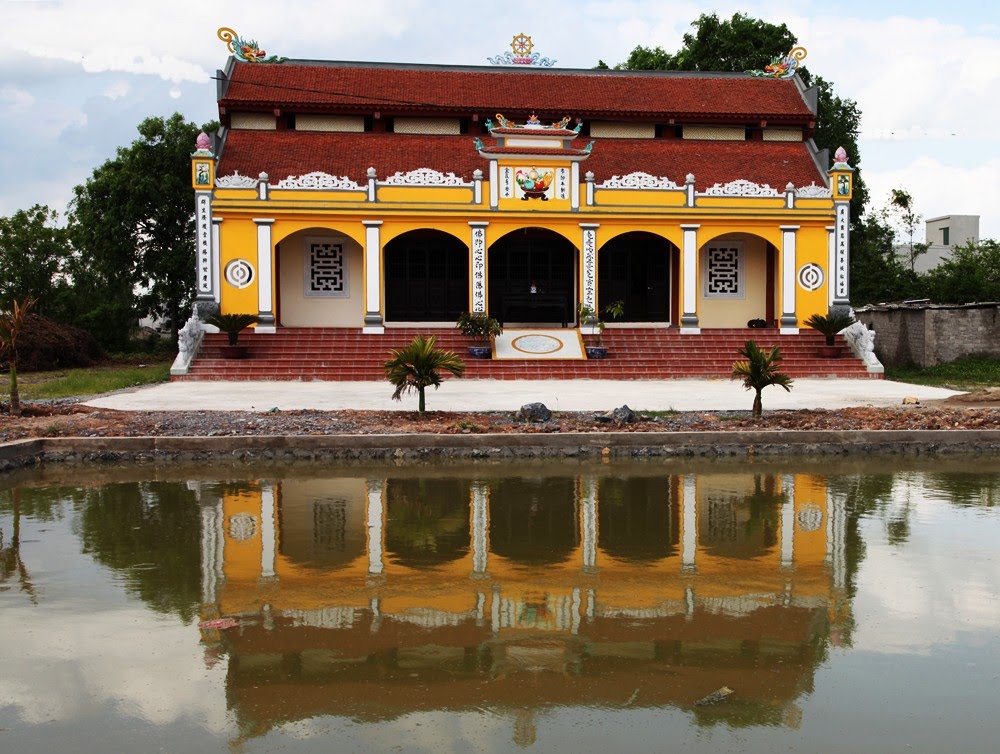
(373, 195)
(943, 234)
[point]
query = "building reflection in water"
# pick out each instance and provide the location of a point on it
(374, 598)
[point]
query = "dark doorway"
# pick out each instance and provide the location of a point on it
(533, 257)
(635, 268)
(426, 277)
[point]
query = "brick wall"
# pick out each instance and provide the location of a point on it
(929, 335)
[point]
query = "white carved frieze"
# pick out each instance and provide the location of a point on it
(424, 177)
(813, 192)
(235, 181)
(319, 181)
(640, 180)
(742, 187)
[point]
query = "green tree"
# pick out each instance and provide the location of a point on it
(759, 371)
(133, 224)
(419, 366)
(971, 273)
(877, 273)
(33, 256)
(741, 43)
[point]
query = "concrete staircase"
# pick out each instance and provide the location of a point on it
(633, 354)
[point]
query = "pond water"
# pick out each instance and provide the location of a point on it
(556, 607)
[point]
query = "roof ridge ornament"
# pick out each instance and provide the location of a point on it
(245, 50)
(522, 47)
(782, 67)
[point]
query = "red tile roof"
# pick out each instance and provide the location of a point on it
(359, 87)
(284, 153)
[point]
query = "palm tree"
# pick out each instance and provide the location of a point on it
(760, 370)
(11, 323)
(417, 366)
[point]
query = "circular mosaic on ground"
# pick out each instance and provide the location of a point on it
(536, 343)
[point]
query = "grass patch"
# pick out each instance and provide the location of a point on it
(65, 383)
(970, 373)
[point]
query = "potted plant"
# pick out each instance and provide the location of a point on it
(232, 325)
(481, 327)
(589, 317)
(829, 324)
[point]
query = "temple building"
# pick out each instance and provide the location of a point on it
(372, 195)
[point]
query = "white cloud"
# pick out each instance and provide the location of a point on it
(117, 90)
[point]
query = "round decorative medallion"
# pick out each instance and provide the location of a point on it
(239, 273)
(536, 343)
(242, 526)
(811, 276)
(809, 518)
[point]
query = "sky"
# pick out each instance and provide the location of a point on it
(77, 77)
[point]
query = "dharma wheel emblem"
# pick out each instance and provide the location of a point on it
(239, 273)
(522, 44)
(811, 276)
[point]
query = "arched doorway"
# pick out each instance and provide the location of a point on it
(532, 257)
(637, 268)
(426, 277)
(737, 273)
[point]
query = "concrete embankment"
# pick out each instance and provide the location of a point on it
(104, 450)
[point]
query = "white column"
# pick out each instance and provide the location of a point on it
(479, 279)
(480, 528)
(789, 320)
(574, 186)
(373, 277)
(589, 293)
(689, 285)
(268, 532)
(212, 552)
(831, 264)
(788, 521)
(841, 270)
(206, 272)
(589, 178)
(836, 544)
(574, 607)
(588, 512)
(265, 277)
(494, 185)
(495, 610)
(477, 187)
(374, 516)
(689, 524)
(216, 258)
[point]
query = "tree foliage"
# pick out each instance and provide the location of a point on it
(33, 256)
(132, 223)
(741, 43)
(971, 273)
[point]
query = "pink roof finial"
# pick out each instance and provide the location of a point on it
(203, 143)
(840, 155)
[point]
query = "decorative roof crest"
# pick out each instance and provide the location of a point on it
(533, 123)
(522, 46)
(246, 50)
(236, 181)
(783, 67)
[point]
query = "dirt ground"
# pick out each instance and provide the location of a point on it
(978, 410)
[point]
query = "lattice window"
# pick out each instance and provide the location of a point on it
(724, 271)
(326, 269)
